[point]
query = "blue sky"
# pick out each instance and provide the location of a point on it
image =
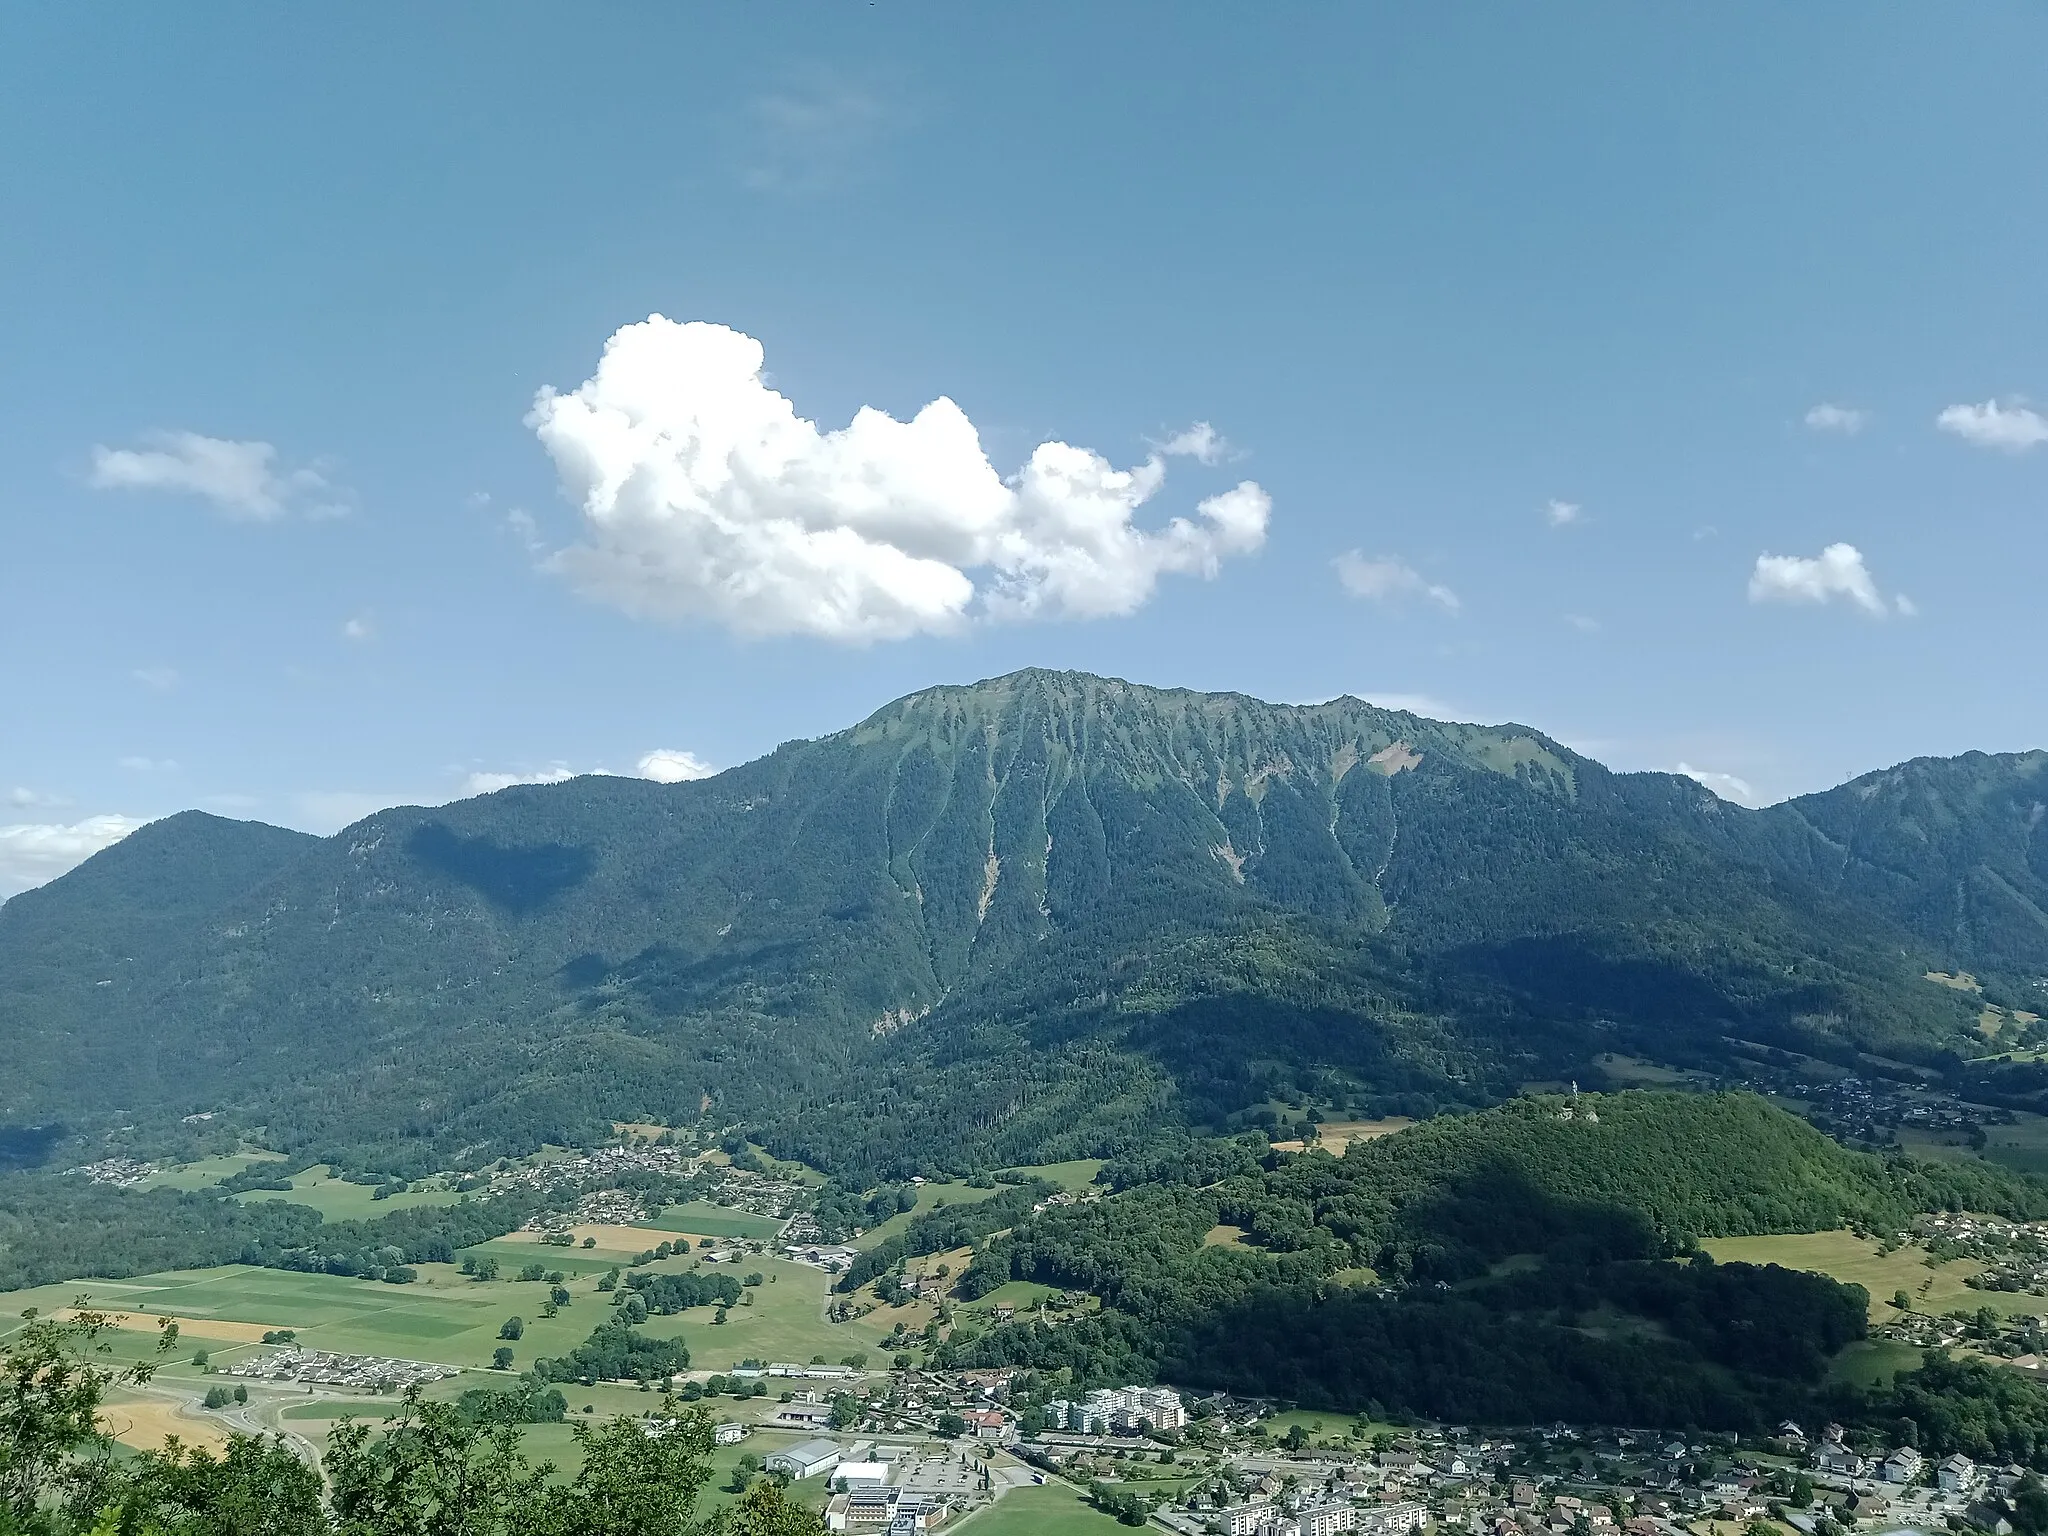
(1522, 338)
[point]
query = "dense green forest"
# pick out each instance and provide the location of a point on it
(1042, 916)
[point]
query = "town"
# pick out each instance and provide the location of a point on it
(1218, 1465)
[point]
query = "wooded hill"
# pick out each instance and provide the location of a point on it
(1519, 1264)
(1041, 916)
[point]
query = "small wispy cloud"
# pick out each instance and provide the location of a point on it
(1726, 785)
(1583, 624)
(1836, 572)
(1843, 419)
(162, 679)
(242, 480)
(1562, 514)
(817, 131)
(360, 629)
(1200, 442)
(1390, 579)
(2011, 427)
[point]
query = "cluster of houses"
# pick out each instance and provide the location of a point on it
(120, 1172)
(597, 1171)
(1119, 1411)
(2014, 1253)
(369, 1372)
(1834, 1459)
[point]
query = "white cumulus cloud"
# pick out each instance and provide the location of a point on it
(241, 479)
(1837, 571)
(2013, 427)
(666, 765)
(1845, 419)
(1726, 785)
(484, 783)
(1562, 514)
(1389, 579)
(33, 852)
(706, 497)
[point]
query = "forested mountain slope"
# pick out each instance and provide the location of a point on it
(1954, 848)
(1040, 914)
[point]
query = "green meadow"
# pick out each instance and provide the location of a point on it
(338, 1200)
(1051, 1510)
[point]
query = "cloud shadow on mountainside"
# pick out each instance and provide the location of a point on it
(518, 880)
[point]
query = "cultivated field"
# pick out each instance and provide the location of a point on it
(701, 1220)
(448, 1318)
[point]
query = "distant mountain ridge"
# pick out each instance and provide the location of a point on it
(1030, 915)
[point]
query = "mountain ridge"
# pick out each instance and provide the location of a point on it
(1038, 912)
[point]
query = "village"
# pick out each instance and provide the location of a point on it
(929, 1449)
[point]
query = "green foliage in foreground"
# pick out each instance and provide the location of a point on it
(437, 1469)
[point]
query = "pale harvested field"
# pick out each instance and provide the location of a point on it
(209, 1329)
(1336, 1136)
(146, 1422)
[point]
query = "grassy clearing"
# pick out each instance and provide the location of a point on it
(1052, 1510)
(1021, 1294)
(929, 1198)
(208, 1170)
(1857, 1261)
(338, 1200)
(1076, 1175)
(1873, 1363)
(699, 1219)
